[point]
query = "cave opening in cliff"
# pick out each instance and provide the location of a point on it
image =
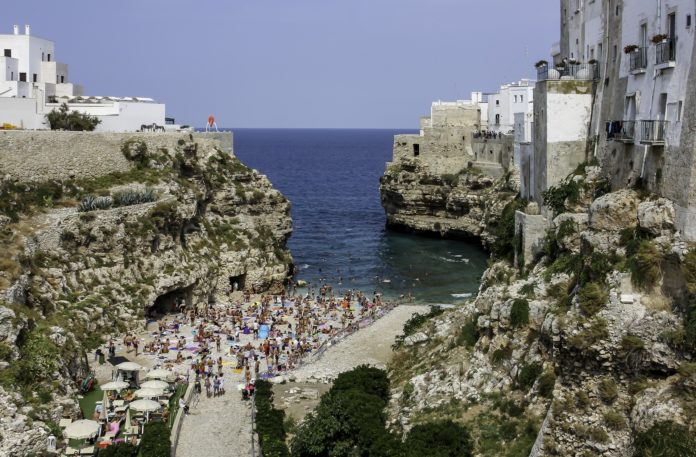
(171, 302)
(239, 280)
(416, 150)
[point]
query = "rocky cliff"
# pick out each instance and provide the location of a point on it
(467, 204)
(85, 255)
(587, 352)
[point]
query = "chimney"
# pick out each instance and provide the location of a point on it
(27, 30)
(16, 30)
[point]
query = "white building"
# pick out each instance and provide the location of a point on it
(511, 99)
(32, 83)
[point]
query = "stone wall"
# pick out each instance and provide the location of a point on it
(45, 155)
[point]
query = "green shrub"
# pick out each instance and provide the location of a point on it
(155, 441)
(469, 333)
(527, 290)
(607, 390)
(585, 338)
(592, 298)
(556, 197)
(501, 354)
(438, 439)
(519, 313)
(615, 420)
(582, 399)
(546, 383)
(417, 321)
(269, 422)
(665, 439)
(528, 375)
(645, 265)
(64, 119)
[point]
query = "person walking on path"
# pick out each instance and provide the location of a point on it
(207, 386)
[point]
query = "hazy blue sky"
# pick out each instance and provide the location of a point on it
(293, 63)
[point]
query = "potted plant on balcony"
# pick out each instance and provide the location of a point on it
(630, 48)
(541, 63)
(659, 38)
(592, 61)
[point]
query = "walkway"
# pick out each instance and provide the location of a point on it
(218, 426)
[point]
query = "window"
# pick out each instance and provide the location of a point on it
(672, 25)
(8, 52)
(43, 56)
(497, 103)
(614, 53)
(515, 98)
(62, 79)
(33, 77)
(12, 76)
(688, 21)
(416, 150)
(618, 9)
(521, 98)
(49, 57)
(679, 110)
(23, 77)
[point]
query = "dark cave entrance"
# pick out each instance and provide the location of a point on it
(240, 280)
(169, 302)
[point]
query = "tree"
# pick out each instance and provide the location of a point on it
(64, 119)
(155, 442)
(438, 439)
(119, 450)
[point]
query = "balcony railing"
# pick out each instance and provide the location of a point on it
(624, 131)
(577, 71)
(666, 52)
(639, 59)
(653, 132)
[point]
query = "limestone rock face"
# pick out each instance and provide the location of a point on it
(615, 211)
(206, 220)
(574, 346)
(464, 205)
(656, 216)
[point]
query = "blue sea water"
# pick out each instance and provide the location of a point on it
(332, 180)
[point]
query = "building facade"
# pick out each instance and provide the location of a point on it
(33, 83)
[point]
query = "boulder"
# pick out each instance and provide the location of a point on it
(656, 216)
(615, 211)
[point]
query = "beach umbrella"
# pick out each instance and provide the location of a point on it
(114, 385)
(129, 366)
(155, 384)
(144, 406)
(159, 374)
(148, 393)
(81, 429)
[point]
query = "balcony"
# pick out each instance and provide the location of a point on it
(576, 71)
(666, 53)
(639, 60)
(653, 132)
(623, 131)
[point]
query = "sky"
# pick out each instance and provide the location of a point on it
(293, 63)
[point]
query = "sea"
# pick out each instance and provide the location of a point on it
(331, 177)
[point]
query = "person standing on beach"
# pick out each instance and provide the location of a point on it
(207, 386)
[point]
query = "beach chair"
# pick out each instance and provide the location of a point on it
(87, 450)
(71, 451)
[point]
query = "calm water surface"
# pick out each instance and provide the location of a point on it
(332, 179)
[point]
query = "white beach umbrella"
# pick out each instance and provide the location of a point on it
(155, 384)
(129, 366)
(114, 385)
(144, 405)
(81, 429)
(160, 374)
(148, 393)
(103, 415)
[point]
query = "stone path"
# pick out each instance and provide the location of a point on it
(218, 426)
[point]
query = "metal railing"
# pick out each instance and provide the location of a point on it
(577, 71)
(666, 51)
(639, 59)
(621, 131)
(653, 132)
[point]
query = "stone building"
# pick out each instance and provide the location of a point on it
(445, 139)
